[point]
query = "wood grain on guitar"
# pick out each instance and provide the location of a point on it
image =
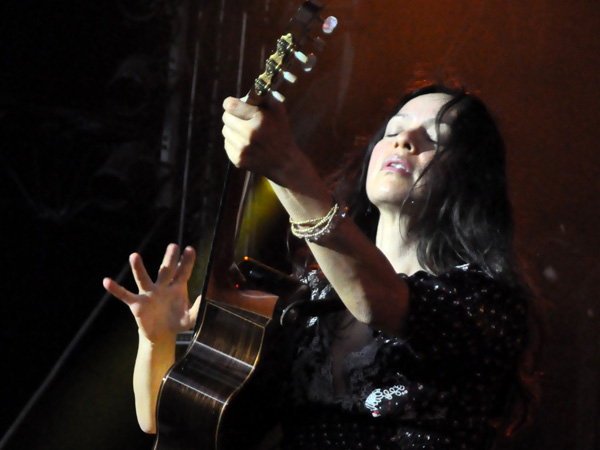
(195, 407)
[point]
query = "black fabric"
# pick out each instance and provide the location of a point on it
(436, 384)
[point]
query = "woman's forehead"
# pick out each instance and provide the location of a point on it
(426, 105)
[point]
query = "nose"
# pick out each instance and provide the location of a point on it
(405, 141)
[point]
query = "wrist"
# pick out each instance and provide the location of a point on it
(316, 229)
(156, 342)
(295, 171)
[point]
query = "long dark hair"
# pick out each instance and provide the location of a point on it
(466, 217)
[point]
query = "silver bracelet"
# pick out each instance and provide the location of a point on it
(314, 229)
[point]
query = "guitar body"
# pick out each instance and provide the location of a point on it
(195, 399)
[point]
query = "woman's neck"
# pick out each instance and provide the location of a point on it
(393, 241)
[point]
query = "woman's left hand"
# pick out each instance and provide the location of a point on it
(161, 308)
(259, 139)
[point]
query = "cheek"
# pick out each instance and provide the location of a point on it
(435, 176)
(424, 159)
(374, 163)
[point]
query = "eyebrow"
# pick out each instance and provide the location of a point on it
(426, 123)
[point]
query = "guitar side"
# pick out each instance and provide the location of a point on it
(197, 390)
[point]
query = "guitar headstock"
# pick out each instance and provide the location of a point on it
(302, 32)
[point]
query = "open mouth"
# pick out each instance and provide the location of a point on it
(397, 164)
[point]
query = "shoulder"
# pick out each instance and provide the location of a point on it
(465, 310)
(466, 284)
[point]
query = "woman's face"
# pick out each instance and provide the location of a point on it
(406, 149)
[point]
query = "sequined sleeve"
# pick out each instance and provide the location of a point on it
(464, 315)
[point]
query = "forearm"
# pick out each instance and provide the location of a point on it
(363, 278)
(361, 275)
(152, 363)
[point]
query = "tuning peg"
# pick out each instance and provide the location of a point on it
(301, 57)
(285, 46)
(289, 77)
(277, 96)
(309, 63)
(329, 25)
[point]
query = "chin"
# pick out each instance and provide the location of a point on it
(388, 202)
(387, 196)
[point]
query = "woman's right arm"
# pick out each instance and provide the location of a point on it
(161, 310)
(259, 139)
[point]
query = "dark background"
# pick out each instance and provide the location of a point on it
(102, 104)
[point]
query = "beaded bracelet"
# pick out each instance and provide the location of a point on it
(314, 229)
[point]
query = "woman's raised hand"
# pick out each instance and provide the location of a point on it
(160, 308)
(259, 139)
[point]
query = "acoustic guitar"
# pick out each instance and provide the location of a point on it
(196, 407)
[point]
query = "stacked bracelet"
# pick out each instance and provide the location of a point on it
(314, 229)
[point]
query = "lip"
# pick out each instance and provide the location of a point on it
(398, 164)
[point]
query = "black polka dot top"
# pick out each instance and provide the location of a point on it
(437, 384)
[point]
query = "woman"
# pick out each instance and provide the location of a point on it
(429, 351)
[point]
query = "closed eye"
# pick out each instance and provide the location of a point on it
(393, 131)
(395, 126)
